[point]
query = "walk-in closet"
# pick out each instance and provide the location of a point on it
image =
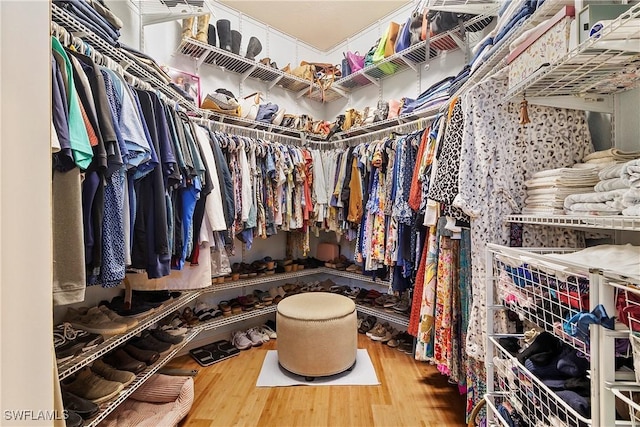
(320, 213)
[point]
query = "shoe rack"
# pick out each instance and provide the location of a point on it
(70, 367)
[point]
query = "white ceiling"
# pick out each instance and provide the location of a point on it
(322, 23)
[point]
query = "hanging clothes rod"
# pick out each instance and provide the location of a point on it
(73, 42)
(245, 131)
(414, 125)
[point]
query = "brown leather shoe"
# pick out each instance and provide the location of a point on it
(147, 356)
(121, 360)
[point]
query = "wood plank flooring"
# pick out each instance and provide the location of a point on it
(411, 394)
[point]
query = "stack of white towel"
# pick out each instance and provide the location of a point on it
(547, 190)
(617, 192)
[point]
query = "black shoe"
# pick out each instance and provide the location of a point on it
(73, 419)
(163, 336)
(151, 297)
(148, 342)
(82, 407)
(212, 37)
(69, 342)
(147, 356)
(224, 34)
(236, 40)
(137, 308)
(121, 360)
(254, 47)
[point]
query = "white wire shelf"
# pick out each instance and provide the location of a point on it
(69, 367)
(465, 6)
(529, 396)
(292, 275)
(73, 26)
(380, 314)
(421, 52)
(605, 64)
(158, 11)
(389, 123)
(498, 58)
(250, 124)
(204, 53)
(545, 291)
(626, 393)
(618, 222)
(234, 318)
(108, 407)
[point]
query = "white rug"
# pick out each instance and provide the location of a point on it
(273, 375)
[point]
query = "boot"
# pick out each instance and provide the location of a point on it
(224, 34)
(253, 48)
(212, 36)
(187, 28)
(236, 39)
(203, 28)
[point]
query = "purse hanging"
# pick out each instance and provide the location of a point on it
(404, 37)
(355, 60)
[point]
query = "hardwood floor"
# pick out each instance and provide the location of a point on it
(411, 394)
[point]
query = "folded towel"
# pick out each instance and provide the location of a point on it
(612, 171)
(605, 196)
(610, 184)
(539, 210)
(558, 190)
(591, 209)
(630, 173)
(631, 197)
(615, 153)
(567, 172)
(630, 211)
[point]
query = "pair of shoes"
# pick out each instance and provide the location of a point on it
(69, 342)
(380, 332)
(112, 374)
(91, 386)
(367, 324)
(174, 325)
(204, 312)
(401, 340)
(123, 361)
(146, 341)
(267, 330)
(241, 341)
(95, 321)
(404, 305)
(83, 408)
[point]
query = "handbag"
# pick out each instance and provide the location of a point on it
(368, 58)
(382, 112)
(278, 117)
(355, 60)
(304, 71)
(266, 112)
(418, 20)
(403, 40)
(379, 55)
(394, 108)
(288, 120)
(392, 35)
(345, 68)
(249, 106)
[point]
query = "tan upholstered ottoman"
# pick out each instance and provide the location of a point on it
(317, 334)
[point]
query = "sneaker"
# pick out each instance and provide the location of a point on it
(65, 343)
(93, 387)
(109, 373)
(129, 321)
(379, 334)
(240, 340)
(94, 321)
(267, 330)
(256, 337)
(73, 419)
(378, 330)
(83, 407)
(164, 336)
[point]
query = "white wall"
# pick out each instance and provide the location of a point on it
(26, 348)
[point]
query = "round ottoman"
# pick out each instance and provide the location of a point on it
(317, 334)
